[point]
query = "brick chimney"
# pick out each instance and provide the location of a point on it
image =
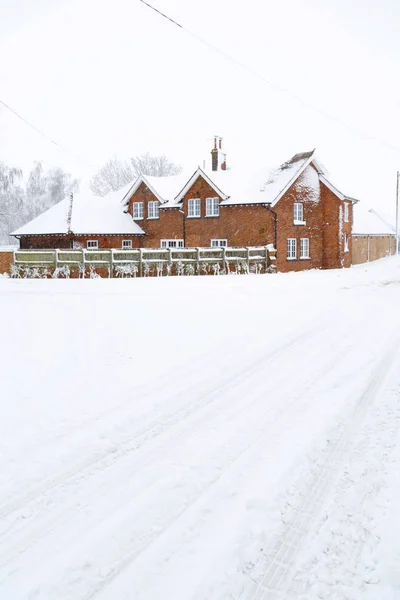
(218, 157)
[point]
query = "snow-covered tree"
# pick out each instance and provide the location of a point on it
(156, 166)
(112, 177)
(116, 172)
(20, 202)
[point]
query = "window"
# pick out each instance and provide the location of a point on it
(152, 209)
(172, 244)
(346, 212)
(126, 244)
(346, 242)
(212, 207)
(92, 244)
(138, 210)
(194, 207)
(304, 248)
(291, 248)
(298, 212)
(219, 243)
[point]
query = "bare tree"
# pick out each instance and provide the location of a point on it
(112, 177)
(156, 166)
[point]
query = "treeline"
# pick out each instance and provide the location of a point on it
(23, 199)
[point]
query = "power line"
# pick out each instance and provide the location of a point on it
(282, 90)
(44, 135)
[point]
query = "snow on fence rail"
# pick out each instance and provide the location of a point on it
(143, 262)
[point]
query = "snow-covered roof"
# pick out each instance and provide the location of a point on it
(165, 189)
(369, 221)
(90, 214)
(251, 186)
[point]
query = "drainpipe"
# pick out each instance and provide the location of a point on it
(269, 209)
(184, 227)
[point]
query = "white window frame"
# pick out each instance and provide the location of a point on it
(212, 207)
(126, 244)
(291, 249)
(297, 212)
(94, 244)
(194, 208)
(152, 209)
(172, 243)
(304, 248)
(138, 210)
(346, 212)
(346, 242)
(219, 243)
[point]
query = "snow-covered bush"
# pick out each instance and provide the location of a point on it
(190, 270)
(92, 273)
(180, 268)
(169, 269)
(160, 268)
(16, 271)
(129, 270)
(63, 271)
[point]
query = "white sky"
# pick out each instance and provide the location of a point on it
(112, 77)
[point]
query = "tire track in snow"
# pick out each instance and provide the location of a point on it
(43, 529)
(285, 551)
(131, 553)
(133, 443)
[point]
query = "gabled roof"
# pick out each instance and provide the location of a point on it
(199, 173)
(90, 215)
(335, 191)
(165, 189)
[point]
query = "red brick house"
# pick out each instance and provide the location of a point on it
(295, 208)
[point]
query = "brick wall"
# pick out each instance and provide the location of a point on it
(108, 241)
(334, 229)
(312, 229)
(169, 225)
(372, 247)
(6, 260)
(33, 242)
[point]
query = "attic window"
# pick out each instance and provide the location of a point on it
(152, 208)
(138, 210)
(126, 244)
(92, 244)
(212, 207)
(298, 213)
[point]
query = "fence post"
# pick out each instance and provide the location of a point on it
(83, 263)
(266, 259)
(224, 258)
(198, 260)
(56, 259)
(248, 259)
(140, 262)
(111, 263)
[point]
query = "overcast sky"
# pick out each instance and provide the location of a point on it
(112, 77)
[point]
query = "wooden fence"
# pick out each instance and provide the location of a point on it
(143, 262)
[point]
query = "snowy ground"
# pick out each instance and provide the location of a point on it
(206, 438)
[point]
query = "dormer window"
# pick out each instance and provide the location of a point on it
(298, 217)
(212, 207)
(152, 209)
(194, 207)
(138, 210)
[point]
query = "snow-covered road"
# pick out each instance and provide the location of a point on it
(201, 438)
